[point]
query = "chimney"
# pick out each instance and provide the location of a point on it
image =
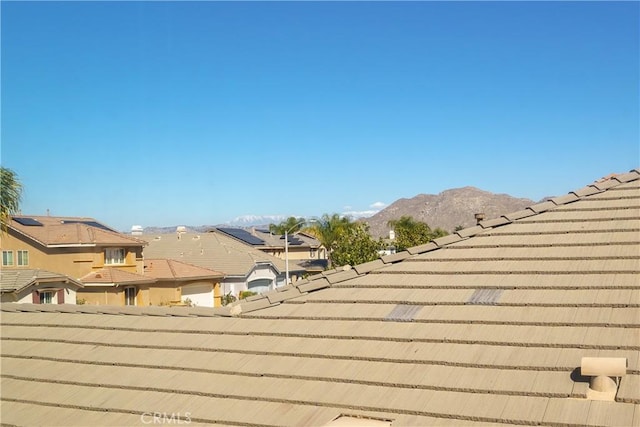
(479, 217)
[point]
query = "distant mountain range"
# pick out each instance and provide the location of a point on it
(447, 210)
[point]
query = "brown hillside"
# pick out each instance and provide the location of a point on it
(448, 209)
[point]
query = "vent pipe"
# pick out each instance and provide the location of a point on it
(605, 373)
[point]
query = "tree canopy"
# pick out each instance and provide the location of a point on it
(290, 225)
(354, 245)
(409, 232)
(347, 242)
(10, 195)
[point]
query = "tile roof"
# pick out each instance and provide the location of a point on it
(17, 279)
(177, 270)
(113, 276)
(212, 250)
(480, 328)
(264, 239)
(69, 231)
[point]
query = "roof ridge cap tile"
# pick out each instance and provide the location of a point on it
(397, 257)
(448, 239)
(524, 213)
(632, 175)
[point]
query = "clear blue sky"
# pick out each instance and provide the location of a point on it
(172, 113)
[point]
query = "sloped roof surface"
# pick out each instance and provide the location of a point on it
(175, 270)
(213, 250)
(20, 278)
(113, 275)
(50, 230)
(487, 326)
(263, 238)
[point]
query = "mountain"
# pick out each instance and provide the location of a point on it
(447, 210)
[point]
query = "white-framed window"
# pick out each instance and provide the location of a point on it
(130, 295)
(46, 297)
(114, 256)
(7, 258)
(23, 258)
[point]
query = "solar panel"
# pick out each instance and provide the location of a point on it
(293, 240)
(27, 221)
(243, 235)
(89, 223)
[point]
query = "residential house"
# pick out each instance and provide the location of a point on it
(28, 285)
(73, 246)
(113, 286)
(164, 282)
(178, 283)
(304, 250)
(244, 268)
(527, 319)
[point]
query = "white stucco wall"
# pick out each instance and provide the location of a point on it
(200, 294)
(25, 297)
(235, 285)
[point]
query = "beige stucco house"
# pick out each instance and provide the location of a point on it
(164, 282)
(73, 246)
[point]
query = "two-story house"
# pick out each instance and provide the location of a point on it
(72, 246)
(55, 260)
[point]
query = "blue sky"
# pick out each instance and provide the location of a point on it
(172, 113)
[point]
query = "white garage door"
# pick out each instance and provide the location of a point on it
(200, 295)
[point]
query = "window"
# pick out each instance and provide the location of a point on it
(130, 296)
(23, 258)
(7, 258)
(46, 297)
(312, 253)
(114, 256)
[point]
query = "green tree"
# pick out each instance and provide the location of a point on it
(354, 245)
(409, 232)
(290, 225)
(10, 195)
(327, 230)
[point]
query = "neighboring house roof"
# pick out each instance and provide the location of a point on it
(50, 231)
(212, 250)
(485, 326)
(17, 280)
(112, 276)
(264, 239)
(170, 269)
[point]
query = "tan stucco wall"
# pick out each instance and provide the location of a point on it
(100, 296)
(74, 262)
(295, 253)
(161, 293)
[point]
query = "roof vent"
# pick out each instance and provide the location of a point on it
(485, 296)
(605, 373)
(479, 217)
(403, 313)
